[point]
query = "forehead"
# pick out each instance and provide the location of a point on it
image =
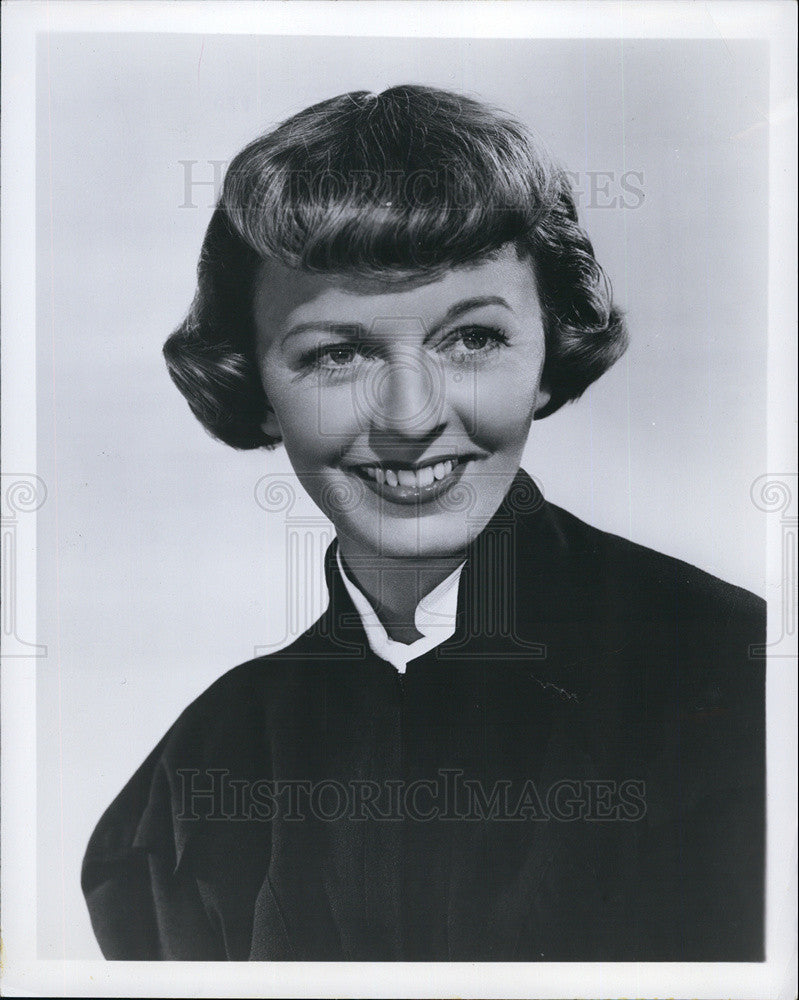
(285, 297)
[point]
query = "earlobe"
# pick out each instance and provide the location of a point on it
(543, 400)
(271, 425)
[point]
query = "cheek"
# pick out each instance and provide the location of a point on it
(315, 420)
(504, 406)
(502, 425)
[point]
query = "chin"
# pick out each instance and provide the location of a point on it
(414, 539)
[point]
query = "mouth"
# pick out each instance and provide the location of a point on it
(412, 484)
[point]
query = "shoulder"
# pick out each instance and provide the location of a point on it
(161, 834)
(673, 657)
(646, 580)
(239, 706)
(228, 726)
(661, 632)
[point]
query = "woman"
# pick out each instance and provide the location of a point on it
(511, 736)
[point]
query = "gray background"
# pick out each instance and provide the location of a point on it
(158, 567)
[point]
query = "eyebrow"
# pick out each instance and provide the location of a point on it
(454, 312)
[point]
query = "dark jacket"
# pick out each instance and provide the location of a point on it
(576, 775)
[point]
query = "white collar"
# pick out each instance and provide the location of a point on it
(434, 618)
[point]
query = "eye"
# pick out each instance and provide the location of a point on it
(334, 359)
(469, 343)
(338, 356)
(475, 339)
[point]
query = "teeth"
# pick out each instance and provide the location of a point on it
(425, 476)
(407, 478)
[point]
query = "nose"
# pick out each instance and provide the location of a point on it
(406, 397)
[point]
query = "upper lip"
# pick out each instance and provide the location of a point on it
(411, 466)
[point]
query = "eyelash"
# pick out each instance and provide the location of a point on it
(315, 359)
(496, 338)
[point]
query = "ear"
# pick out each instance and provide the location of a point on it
(271, 425)
(543, 400)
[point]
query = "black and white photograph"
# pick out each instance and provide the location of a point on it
(399, 499)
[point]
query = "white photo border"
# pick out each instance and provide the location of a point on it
(22, 973)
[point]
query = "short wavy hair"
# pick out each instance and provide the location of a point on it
(408, 181)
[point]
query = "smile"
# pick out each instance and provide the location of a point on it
(412, 485)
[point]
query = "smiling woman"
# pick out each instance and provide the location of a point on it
(412, 407)
(510, 736)
(455, 378)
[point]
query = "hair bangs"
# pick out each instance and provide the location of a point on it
(386, 184)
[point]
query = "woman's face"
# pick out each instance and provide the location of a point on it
(404, 406)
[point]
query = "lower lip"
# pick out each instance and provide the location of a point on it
(414, 494)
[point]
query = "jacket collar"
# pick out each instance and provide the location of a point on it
(517, 601)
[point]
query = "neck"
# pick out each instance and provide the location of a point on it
(395, 587)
